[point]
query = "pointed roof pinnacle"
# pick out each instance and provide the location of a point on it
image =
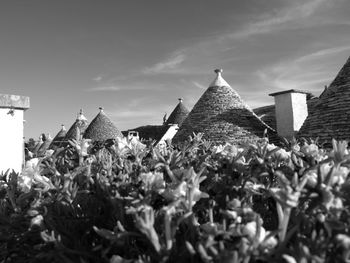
(63, 128)
(81, 116)
(178, 115)
(219, 80)
(101, 128)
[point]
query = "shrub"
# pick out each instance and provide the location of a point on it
(195, 203)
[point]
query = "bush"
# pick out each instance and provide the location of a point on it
(116, 203)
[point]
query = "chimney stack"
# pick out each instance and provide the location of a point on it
(291, 111)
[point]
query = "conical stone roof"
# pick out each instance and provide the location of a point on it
(38, 145)
(80, 123)
(178, 115)
(58, 138)
(222, 116)
(45, 146)
(331, 115)
(101, 128)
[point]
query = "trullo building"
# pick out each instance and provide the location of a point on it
(102, 128)
(330, 117)
(222, 116)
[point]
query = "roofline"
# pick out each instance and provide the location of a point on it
(289, 91)
(14, 102)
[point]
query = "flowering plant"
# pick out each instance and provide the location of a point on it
(121, 201)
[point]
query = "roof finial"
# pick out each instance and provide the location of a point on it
(101, 109)
(63, 128)
(218, 71)
(81, 116)
(180, 99)
(219, 81)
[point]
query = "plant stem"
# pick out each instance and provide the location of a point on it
(285, 221)
(167, 223)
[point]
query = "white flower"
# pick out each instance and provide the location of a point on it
(37, 221)
(32, 163)
(266, 241)
(153, 181)
(49, 153)
(309, 149)
(218, 149)
(32, 175)
(271, 147)
(250, 230)
(124, 143)
(227, 150)
(339, 174)
(282, 154)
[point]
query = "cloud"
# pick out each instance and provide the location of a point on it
(222, 49)
(130, 85)
(132, 113)
(309, 72)
(97, 79)
(168, 65)
(104, 88)
(198, 85)
(321, 53)
(280, 19)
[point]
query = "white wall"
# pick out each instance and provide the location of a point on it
(299, 110)
(291, 112)
(11, 140)
(169, 135)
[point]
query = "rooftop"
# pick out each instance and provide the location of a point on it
(14, 101)
(288, 91)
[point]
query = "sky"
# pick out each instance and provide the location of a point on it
(136, 58)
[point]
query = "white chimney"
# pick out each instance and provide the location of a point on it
(291, 111)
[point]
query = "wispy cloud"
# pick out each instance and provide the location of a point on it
(131, 113)
(198, 85)
(104, 88)
(279, 19)
(167, 65)
(98, 78)
(321, 53)
(127, 86)
(309, 72)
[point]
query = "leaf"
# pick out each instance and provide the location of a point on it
(107, 234)
(288, 258)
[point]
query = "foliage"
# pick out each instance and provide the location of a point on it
(113, 202)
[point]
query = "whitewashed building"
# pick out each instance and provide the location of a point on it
(12, 109)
